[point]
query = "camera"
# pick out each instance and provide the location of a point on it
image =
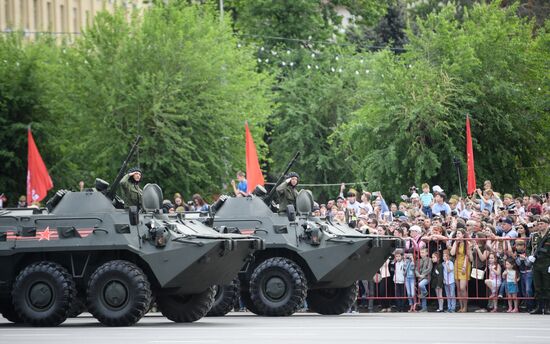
(454, 213)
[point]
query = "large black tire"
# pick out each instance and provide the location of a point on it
(248, 304)
(118, 293)
(43, 293)
(78, 307)
(8, 312)
(225, 297)
(186, 308)
(278, 287)
(332, 301)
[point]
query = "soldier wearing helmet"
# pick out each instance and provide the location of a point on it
(287, 191)
(130, 192)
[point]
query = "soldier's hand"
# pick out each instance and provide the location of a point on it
(288, 180)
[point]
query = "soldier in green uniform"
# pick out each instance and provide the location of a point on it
(540, 257)
(287, 191)
(130, 192)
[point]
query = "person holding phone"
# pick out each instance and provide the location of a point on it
(440, 207)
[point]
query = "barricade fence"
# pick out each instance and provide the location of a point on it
(484, 272)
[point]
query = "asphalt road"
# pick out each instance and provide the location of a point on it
(242, 328)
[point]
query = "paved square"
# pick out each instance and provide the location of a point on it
(242, 328)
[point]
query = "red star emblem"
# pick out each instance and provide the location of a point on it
(45, 234)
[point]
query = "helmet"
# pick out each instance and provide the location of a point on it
(134, 169)
(292, 174)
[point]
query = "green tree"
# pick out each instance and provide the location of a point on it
(412, 123)
(174, 76)
(20, 105)
(315, 94)
(314, 99)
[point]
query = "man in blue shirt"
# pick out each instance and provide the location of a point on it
(440, 207)
(240, 189)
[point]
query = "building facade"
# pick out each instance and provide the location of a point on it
(56, 16)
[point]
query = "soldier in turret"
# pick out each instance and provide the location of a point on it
(130, 192)
(540, 257)
(287, 191)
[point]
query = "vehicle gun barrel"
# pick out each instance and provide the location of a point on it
(112, 189)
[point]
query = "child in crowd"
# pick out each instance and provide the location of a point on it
(494, 281)
(427, 200)
(423, 275)
(511, 276)
(399, 280)
(437, 280)
(449, 281)
(410, 281)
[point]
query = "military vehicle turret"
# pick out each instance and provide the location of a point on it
(84, 250)
(306, 257)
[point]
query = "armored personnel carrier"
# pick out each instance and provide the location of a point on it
(306, 258)
(82, 250)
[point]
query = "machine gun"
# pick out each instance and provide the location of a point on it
(269, 197)
(112, 189)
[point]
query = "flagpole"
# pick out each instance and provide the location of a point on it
(456, 162)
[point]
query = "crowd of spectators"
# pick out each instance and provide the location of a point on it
(466, 252)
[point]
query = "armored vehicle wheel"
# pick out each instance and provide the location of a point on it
(186, 308)
(278, 287)
(247, 301)
(8, 312)
(225, 297)
(43, 293)
(332, 301)
(78, 307)
(118, 293)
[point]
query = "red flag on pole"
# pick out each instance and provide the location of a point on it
(38, 179)
(470, 158)
(254, 175)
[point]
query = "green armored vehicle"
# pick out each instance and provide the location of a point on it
(306, 258)
(82, 250)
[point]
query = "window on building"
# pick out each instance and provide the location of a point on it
(50, 16)
(88, 19)
(62, 18)
(22, 15)
(36, 14)
(75, 20)
(7, 10)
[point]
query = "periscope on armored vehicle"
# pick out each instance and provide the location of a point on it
(306, 258)
(85, 251)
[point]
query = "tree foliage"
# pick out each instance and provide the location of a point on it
(187, 81)
(489, 66)
(174, 76)
(20, 105)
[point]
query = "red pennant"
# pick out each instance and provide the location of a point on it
(470, 158)
(254, 175)
(38, 179)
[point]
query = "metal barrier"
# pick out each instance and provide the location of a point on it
(482, 282)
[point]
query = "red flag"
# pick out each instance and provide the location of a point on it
(254, 175)
(38, 179)
(470, 158)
